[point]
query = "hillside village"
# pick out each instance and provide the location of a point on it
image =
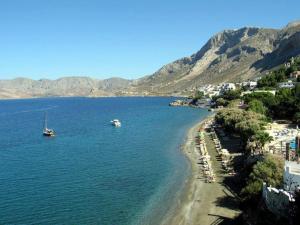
(264, 114)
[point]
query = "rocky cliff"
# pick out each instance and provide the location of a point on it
(231, 55)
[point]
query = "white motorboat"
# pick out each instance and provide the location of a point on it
(116, 123)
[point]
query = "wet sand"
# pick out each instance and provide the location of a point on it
(203, 203)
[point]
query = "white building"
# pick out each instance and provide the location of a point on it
(273, 92)
(250, 84)
(228, 87)
(213, 93)
(209, 90)
(288, 84)
(291, 175)
(277, 200)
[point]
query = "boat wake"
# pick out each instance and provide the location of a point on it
(28, 111)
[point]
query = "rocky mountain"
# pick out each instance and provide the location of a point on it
(67, 86)
(231, 55)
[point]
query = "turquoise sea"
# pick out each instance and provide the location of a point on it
(91, 172)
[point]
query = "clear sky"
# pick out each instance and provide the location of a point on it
(126, 38)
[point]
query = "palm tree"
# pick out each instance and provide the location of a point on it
(261, 138)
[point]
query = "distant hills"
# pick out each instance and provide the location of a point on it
(231, 55)
(67, 86)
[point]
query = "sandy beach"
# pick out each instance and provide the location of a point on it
(203, 203)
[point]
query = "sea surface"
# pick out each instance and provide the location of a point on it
(91, 172)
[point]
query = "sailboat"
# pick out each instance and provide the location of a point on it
(47, 132)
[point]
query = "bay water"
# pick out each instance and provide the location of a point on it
(92, 172)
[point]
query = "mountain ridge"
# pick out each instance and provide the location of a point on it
(232, 55)
(65, 86)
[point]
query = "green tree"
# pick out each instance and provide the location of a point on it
(241, 122)
(269, 170)
(261, 138)
(199, 95)
(267, 81)
(232, 94)
(268, 99)
(297, 90)
(257, 106)
(221, 102)
(286, 107)
(248, 128)
(230, 117)
(234, 103)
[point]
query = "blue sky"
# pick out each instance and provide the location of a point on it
(128, 38)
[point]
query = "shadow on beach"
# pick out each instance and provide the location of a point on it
(221, 220)
(227, 201)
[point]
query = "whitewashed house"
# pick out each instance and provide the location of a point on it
(288, 84)
(228, 87)
(250, 84)
(291, 175)
(277, 200)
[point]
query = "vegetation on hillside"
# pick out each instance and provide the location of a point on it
(268, 170)
(249, 123)
(225, 98)
(272, 80)
(285, 104)
(280, 75)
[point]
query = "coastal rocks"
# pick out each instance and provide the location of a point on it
(190, 102)
(179, 103)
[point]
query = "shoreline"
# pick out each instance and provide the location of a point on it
(83, 96)
(198, 201)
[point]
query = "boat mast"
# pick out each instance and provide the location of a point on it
(45, 122)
